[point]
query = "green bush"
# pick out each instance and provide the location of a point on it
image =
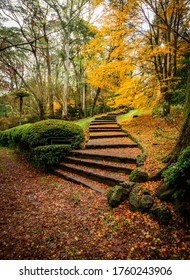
(38, 133)
(13, 137)
(31, 140)
(3, 138)
(177, 175)
(29, 136)
(138, 176)
(46, 157)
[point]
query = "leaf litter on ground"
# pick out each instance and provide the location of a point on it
(46, 217)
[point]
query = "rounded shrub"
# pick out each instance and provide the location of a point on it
(46, 157)
(13, 137)
(4, 139)
(38, 133)
(29, 136)
(32, 140)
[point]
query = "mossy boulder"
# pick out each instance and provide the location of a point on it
(140, 199)
(146, 202)
(164, 192)
(138, 176)
(161, 213)
(127, 185)
(116, 195)
(140, 160)
(134, 199)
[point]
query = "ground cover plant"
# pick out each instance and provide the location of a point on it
(46, 217)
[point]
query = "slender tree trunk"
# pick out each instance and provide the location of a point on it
(167, 104)
(50, 88)
(41, 110)
(48, 61)
(84, 100)
(20, 110)
(66, 80)
(95, 100)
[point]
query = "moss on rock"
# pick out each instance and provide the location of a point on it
(116, 195)
(138, 176)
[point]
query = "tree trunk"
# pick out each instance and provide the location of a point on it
(184, 137)
(48, 62)
(176, 186)
(95, 100)
(50, 87)
(20, 110)
(167, 104)
(41, 110)
(84, 99)
(66, 80)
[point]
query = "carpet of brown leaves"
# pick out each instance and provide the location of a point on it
(45, 217)
(157, 136)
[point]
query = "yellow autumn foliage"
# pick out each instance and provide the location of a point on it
(131, 64)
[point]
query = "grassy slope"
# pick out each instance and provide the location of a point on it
(84, 122)
(132, 113)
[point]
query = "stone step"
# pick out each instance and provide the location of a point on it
(107, 117)
(110, 146)
(101, 122)
(104, 165)
(113, 158)
(106, 135)
(80, 180)
(109, 178)
(108, 125)
(111, 141)
(104, 129)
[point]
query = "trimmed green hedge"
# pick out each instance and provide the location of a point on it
(46, 157)
(12, 137)
(31, 140)
(30, 136)
(37, 133)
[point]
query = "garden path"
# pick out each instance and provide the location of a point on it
(107, 159)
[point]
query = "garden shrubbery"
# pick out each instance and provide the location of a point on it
(45, 157)
(177, 177)
(31, 140)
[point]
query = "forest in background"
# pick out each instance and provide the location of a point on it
(73, 59)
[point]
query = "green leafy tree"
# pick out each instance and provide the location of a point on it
(68, 13)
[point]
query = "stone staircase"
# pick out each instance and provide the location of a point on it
(107, 160)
